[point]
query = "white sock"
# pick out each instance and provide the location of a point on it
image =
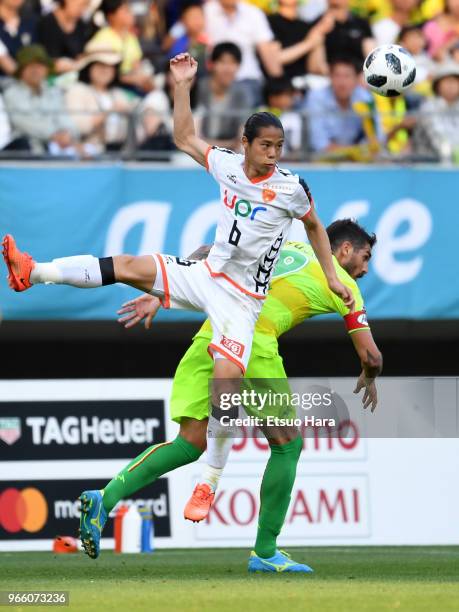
(211, 476)
(80, 271)
(218, 450)
(219, 443)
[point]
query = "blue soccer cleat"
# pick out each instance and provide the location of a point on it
(92, 520)
(280, 562)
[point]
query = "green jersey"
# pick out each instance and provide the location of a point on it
(299, 291)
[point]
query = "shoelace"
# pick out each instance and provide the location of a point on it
(202, 493)
(286, 554)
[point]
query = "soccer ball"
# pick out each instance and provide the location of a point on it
(389, 70)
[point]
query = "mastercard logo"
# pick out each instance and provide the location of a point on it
(26, 510)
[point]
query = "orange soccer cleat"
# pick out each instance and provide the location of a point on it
(19, 264)
(199, 504)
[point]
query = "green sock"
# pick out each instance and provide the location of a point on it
(275, 492)
(147, 467)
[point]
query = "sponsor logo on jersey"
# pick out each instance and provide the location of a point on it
(233, 346)
(231, 177)
(290, 262)
(10, 429)
(286, 188)
(241, 207)
(268, 195)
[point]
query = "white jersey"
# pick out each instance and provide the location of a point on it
(254, 220)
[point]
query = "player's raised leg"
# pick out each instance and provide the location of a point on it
(140, 472)
(82, 271)
(219, 443)
(226, 381)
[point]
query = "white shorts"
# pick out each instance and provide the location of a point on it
(188, 285)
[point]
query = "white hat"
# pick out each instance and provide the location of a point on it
(97, 53)
(449, 68)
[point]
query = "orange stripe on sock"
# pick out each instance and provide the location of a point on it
(150, 452)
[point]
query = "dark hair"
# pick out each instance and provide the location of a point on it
(348, 230)
(276, 86)
(407, 29)
(347, 60)
(260, 120)
(109, 7)
(226, 47)
(84, 75)
(188, 5)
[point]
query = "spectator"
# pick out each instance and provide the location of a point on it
(280, 97)
(219, 97)
(64, 34)
(15, 32)
(37, 110)
(438, 126)
(333, 122)
(247, 27)
(152, 32)
(296, 37)
(100, 108)
(96, 105)
(413, 39)
(194, 40)
(118, 38)
(386, 31)
(442, 33)
(7, 142)
(348, 36)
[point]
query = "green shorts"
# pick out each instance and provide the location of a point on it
(190, 389)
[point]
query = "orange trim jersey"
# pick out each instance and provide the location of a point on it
(254, 220)
(299, 291)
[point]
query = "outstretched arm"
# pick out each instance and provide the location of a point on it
(183, 68)
(371, 360)
(318, 238)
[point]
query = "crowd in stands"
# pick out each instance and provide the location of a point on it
(86, 78)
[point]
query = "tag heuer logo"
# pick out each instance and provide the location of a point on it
(10, 429)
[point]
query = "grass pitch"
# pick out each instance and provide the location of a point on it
(345, 579)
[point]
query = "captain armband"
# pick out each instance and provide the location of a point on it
(356, 320)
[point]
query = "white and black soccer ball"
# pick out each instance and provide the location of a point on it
(389, 70)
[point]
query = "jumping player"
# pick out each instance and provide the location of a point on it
(298, 291)
(258, 203)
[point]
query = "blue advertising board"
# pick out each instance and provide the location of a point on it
(110, 209)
